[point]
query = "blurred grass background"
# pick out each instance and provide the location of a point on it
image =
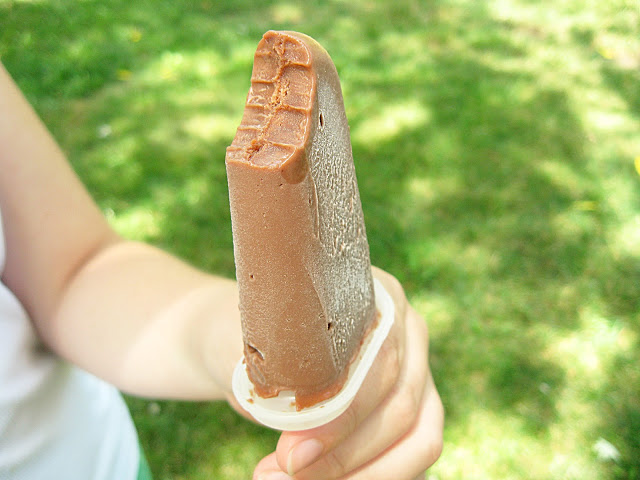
(497, 145)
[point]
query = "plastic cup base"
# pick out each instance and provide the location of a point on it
(280, 412)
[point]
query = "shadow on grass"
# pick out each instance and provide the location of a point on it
(620, 396)
(81, 46)
(473, 177)
(626, 81)
(620, 422)
(481, 229)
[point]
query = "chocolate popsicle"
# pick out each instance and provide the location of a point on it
(300, 246)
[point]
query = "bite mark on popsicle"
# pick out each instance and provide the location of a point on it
(276, 121)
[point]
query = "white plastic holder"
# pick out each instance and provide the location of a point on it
(280, 412)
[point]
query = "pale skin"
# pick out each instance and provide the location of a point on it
(154, 326)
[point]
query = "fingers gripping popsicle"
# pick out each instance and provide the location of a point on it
(301, 251)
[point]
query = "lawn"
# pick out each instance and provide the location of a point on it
(497, 145)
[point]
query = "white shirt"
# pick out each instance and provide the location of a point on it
(56, 421)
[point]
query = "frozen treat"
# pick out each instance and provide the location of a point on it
(301, 251)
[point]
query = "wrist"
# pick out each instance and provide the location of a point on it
(220, 339)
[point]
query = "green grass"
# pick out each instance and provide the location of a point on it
(495, 146)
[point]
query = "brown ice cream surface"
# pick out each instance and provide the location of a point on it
(300, 245)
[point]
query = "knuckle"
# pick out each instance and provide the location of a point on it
(350, 418)
(421, 325)
(391, 283)
(436, 452)
(391, 357)
(385, 371)
(406, 407)
(431, 452)
(395, 284)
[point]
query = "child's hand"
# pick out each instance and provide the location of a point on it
(393, 428)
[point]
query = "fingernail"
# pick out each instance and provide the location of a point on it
(274, 476)
(303, 455)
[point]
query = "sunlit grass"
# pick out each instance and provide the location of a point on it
(497, 146)
(387, 124)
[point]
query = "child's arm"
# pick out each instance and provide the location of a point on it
(154, 326)
(127, 312)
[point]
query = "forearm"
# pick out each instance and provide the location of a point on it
(51, 225)
(150, 324)
(129, 313)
